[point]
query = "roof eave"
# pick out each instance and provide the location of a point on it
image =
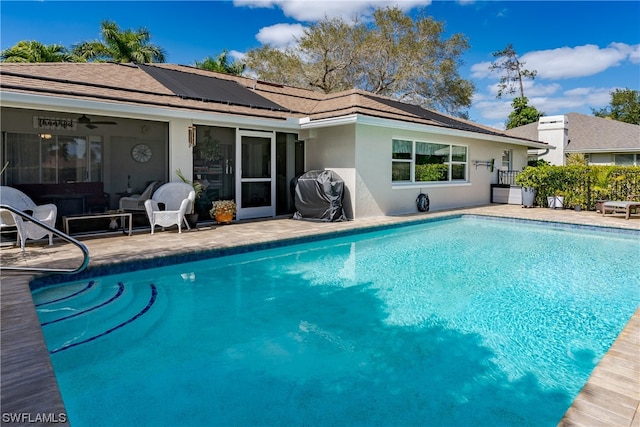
(73, 105)
(307, 123)
(603, 150)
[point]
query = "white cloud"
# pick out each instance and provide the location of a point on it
(580, 99)
(313, 11)
(634, 55)
(481, 70)
(579, 61)
(280, 35)
(568, 62)
(493, 110)
(531, 89)
(237, 56)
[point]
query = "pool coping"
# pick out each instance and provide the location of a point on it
(36, 373)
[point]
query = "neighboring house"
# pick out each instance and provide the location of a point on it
(125, 125)
(602, 141)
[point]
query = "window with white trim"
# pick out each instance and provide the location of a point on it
(625, 159)
(507, 156)
(417, 161)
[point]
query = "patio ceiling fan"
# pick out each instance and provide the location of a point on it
(84, 120)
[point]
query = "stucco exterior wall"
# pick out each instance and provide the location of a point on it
(376, 194)
(334, 149)
(554, 130)
(361, 155)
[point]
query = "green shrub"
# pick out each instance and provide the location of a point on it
(581, 185)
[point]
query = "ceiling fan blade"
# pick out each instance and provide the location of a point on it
(91, 126)
(104, 123)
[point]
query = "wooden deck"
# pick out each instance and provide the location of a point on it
(29, 388)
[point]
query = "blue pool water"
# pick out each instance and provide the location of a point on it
(461, 322)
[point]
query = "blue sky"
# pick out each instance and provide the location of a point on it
(582, 50)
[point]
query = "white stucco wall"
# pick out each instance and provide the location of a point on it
(180, 154)
(378, 196)
(365, 166)
(554, 130)
(334, 149)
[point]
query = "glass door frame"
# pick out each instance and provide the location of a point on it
(262, 211)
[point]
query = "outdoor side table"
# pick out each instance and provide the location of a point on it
(128, 215)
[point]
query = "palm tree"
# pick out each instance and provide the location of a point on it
(33, 51)
(221, 65)
(120, 46)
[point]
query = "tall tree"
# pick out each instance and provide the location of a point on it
(34, 51)
(514, 73)
(522, 113)
(624, 107)
(221, 64)
(120, 46)
(394, 55)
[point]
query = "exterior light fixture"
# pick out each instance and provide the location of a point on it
(192, 136)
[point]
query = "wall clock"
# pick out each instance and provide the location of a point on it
(141, 153)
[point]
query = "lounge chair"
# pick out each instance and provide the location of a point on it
(26, 230)
(168, 205)
(621, 207)
(136, 202)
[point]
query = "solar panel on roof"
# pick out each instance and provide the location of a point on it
(205, 88)
(416, 110)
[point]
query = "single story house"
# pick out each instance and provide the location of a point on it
(125, 125)
(602, 141)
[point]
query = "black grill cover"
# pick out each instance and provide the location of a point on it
(318, 196)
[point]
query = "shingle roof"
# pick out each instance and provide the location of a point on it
(590, 134)
(132, 84)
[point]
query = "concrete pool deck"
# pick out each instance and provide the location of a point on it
(29, 388)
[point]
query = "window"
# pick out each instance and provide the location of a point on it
(402, 155)
(51, 159)
(626, 159)
(507, 155)
(416, 161)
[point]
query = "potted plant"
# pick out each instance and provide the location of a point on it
(192, 217)
(556, 201)
(527, 179)
(223, 211)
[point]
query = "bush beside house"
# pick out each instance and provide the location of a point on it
(582, 185)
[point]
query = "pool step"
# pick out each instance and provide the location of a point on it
(68, 326)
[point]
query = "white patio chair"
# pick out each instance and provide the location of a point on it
(177, 198)
(135, 202)
(26, 229)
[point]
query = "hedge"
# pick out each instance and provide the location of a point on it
(582, 185)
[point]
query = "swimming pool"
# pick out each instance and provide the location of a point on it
(456, 322)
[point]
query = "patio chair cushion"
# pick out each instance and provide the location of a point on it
(135, 202)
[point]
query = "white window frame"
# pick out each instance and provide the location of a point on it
(635, 161)
(412, 162)
(509, 160)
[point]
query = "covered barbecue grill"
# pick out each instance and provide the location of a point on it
(318, 196)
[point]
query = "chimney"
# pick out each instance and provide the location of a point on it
(554, 130)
